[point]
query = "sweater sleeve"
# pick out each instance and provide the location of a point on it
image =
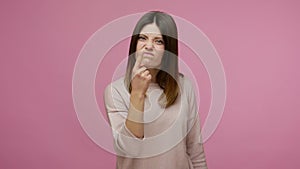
(194, 140)
(125, 143)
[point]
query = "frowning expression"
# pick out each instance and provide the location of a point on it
(150, 46)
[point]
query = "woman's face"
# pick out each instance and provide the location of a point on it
(150, 46)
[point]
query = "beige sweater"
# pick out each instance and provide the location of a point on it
(172, 137)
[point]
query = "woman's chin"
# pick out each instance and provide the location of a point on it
(150, 65)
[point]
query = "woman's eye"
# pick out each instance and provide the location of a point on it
(141, 38)
(159, 42)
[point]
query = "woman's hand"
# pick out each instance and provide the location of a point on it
(141, 77)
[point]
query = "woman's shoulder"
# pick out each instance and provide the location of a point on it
(118, 85)
(184, 81)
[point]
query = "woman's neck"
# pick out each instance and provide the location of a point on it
(153, 73)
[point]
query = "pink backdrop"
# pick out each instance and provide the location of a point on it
(258, 43)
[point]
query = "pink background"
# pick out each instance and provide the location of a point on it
(258, 43)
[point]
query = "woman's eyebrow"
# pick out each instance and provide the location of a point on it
(142, 34)
(156, 37)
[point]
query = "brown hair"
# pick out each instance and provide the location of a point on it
(168, 74)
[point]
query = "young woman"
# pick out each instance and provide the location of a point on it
(152, 110)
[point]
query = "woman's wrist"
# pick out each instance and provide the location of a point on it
(138, 95)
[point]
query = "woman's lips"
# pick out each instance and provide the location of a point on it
(148, 54)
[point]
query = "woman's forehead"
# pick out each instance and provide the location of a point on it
(151, 30)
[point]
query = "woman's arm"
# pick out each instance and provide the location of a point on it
(126, 143)
(127, 122)
(194, 140)
(195, 147)
(135, 117)
(141, 78)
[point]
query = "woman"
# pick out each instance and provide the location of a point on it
(153, 110)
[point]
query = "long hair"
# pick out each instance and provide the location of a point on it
(167, 76)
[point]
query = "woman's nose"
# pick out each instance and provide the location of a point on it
(149, 45)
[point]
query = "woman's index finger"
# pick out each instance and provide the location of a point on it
(138, 62)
